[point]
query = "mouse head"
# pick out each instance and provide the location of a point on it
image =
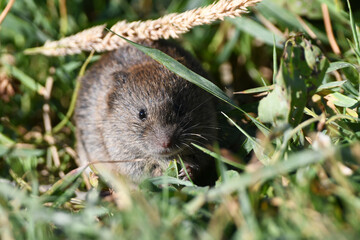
(156, 113)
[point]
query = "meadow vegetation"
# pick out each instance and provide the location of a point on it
(287, 76)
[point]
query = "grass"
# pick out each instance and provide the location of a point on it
(290, 149)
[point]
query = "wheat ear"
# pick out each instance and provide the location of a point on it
(171, 25)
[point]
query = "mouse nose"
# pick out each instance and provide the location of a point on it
(165, 137)
(166, 142)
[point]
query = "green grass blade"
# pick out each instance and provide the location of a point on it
(170, 180)
(63, 184)
(15, 151)
(257, 30)
(295, 161)
(6, 140)
(71, 109)
(257, 90)
(330, 85)
(275, 64)
(219, 157)
(353, 28)
(342, 100)
(26, 80)
(339, 65)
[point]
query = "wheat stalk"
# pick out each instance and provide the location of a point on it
(171, 25)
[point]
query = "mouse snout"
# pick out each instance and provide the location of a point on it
(165, 142)
(165, 137)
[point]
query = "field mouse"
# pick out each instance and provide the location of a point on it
(135, 112)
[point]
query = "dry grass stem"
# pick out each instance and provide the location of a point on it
(63, 18)
(47, 125)
(168, 26)
(306, 28)
(329, 31)
(269, 25)
(6, 10)
(6, 88)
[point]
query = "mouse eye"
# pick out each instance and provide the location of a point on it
(142, 114)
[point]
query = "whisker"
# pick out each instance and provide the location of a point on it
(198, 143)
(191, 127)
(197, 135)
(203, 127)
(177, 146)
(186, 145)
(190, 140)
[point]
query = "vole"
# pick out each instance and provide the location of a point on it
(135, 112)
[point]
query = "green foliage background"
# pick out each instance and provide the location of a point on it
(294, 127)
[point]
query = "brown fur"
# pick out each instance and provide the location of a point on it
(117, 88)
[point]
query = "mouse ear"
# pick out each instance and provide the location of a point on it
(120, 77)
